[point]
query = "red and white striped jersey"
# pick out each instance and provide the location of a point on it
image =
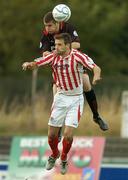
(67, 71)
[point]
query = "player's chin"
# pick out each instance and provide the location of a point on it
(51, 32)
(58, 53)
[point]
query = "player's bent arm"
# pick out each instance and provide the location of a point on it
(86, 82)
(75, 45)
(97, 74)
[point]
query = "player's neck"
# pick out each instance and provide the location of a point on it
(66, 53)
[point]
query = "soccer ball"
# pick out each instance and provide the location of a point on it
(61, 12)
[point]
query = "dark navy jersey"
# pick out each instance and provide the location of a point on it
(47, 42)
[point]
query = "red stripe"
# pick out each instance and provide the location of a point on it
(83, 60)
(88, 58)
(78, 74)
(73, 72)
(78, 113)
(44, 59)
(85, 55)
(62, 75)
(61, 25)
(45, 32)
(69, 79)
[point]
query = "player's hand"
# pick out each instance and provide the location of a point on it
(25, 65)
(28, 65)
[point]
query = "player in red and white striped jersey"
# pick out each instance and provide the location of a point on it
(67, 65)
(68, 71)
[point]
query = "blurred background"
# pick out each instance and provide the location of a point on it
(102, 26)
(26, 97)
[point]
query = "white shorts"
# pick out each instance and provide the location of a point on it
(66, 110)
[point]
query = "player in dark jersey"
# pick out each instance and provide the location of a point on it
(47, 44)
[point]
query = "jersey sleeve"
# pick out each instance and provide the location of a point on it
(85, 60)
(44, 60)
(44, 43)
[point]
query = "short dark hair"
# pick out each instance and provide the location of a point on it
(48, 17)
(65, 36)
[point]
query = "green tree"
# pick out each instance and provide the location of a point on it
(102, 27)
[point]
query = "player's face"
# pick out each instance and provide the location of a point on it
(60, 47)
(51, 27)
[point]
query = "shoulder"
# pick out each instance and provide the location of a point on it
(49, 57)
(76, 52)
(45, 35)
(70, 25)
(79, 54)
(54, 54)
(66, 25)
(44, 32)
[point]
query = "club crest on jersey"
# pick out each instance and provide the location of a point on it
(61, 66)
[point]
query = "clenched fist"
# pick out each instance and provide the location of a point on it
(28, 65)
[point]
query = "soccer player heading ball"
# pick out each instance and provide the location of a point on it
(47, 45)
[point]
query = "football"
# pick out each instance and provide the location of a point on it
(61, 12)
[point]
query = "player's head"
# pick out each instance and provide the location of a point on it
(50, 24)
(62, 43)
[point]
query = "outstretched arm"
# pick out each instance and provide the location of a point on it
(29, 65)
(38, 62)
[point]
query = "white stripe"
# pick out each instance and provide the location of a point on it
(71, 77)
(65, 62)
(43, 59)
